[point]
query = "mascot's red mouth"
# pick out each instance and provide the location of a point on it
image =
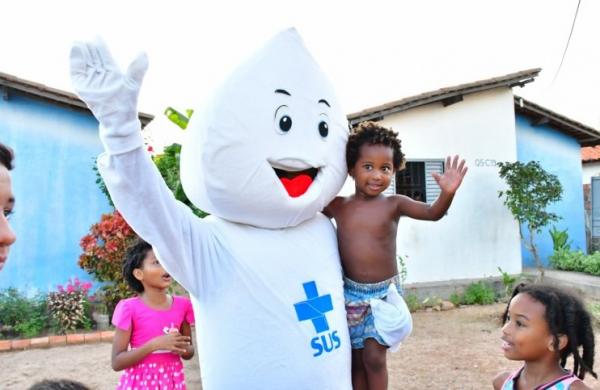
(296, 183)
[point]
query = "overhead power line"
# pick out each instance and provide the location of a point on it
(568, 41)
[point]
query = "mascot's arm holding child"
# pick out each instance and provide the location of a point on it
(263, 270)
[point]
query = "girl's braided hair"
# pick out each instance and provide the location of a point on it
(565, 315)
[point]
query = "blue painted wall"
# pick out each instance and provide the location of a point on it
(57, 198)
(560, 155)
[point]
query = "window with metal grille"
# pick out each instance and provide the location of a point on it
(416, 182)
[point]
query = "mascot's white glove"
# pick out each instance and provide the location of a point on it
(110, 94)
(392, 318)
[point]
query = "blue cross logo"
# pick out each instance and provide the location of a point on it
(314, 308)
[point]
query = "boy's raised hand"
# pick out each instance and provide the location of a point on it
(453, 175)
(110, 94)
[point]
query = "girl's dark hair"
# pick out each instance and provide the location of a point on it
(373, 134)
(59, 384)
(134, 258)
(565, 315)
(6, 156)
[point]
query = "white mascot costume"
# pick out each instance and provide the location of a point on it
(265, 157)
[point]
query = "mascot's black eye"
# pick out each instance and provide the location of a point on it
(323, 129)
(285, 123)
(282, 122)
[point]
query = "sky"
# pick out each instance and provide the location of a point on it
(373, 51)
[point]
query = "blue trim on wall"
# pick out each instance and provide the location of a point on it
(57, 198)
(560, 155)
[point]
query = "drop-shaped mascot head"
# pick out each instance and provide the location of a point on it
(269, 150)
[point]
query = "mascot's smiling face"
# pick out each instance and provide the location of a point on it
(269, 150)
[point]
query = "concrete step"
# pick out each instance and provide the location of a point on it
(588, 285)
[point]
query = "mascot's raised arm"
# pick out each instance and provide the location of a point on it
(264, 157)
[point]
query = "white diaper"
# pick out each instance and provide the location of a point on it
(392, 318)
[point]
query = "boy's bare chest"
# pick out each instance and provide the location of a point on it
(375, 217)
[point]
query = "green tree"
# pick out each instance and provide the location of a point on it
(530, 190)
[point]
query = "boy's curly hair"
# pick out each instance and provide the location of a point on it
(566, 315)
(373, 134)
(134, 258)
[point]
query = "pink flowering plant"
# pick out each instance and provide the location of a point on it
(69, 306)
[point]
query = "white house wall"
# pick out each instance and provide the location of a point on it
(479, 234)
(589, 170)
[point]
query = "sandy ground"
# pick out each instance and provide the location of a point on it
(457, 349)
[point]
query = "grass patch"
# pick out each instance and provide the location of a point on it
(479, 293)
(413, 303)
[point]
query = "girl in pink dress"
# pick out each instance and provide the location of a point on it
(152, 330)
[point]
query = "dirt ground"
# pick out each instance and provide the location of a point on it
(457, 349)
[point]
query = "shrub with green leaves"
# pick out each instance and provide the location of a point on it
(37, 322)
(22, 316)
(508, 281)
(567, 260)
(413, 303)
(455, 298)
(479, 293)
(592, 264)
(560, 239)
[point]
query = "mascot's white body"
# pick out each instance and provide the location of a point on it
(263, 269)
